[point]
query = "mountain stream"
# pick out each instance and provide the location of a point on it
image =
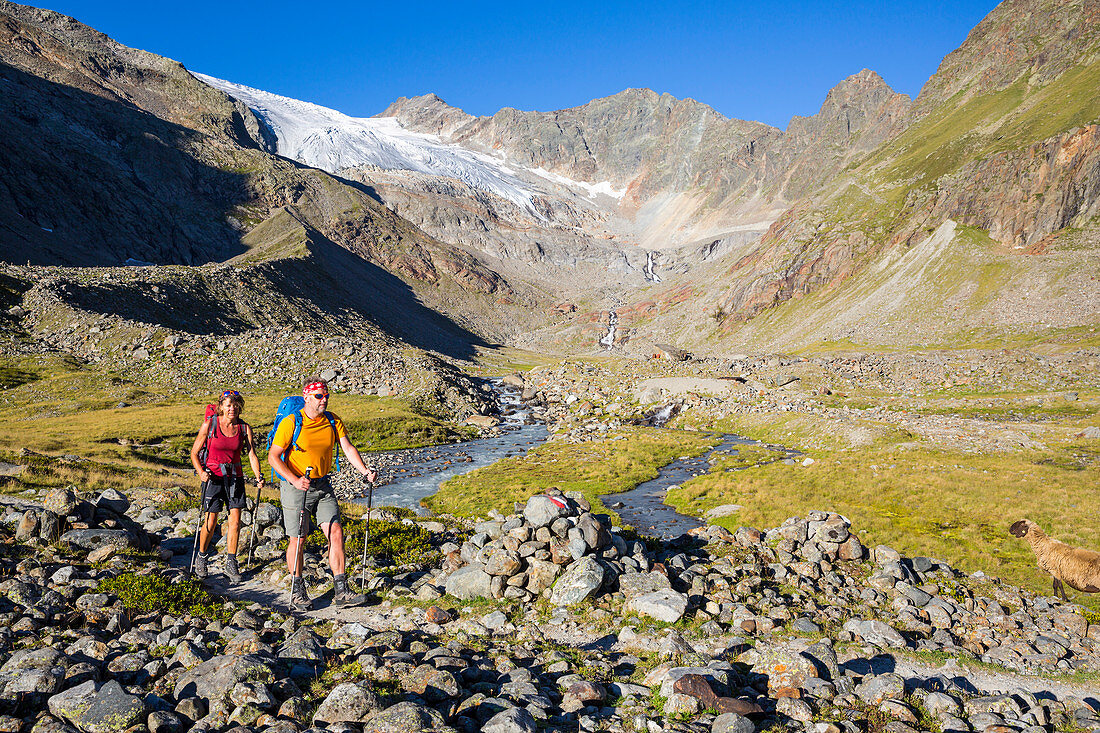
(410, 476)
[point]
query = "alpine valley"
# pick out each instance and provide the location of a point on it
(849, 353)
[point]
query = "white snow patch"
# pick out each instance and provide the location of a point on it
(603, 187)
(330, 140)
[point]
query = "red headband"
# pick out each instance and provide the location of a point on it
(313, 386)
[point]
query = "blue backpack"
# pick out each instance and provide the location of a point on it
(293, 406)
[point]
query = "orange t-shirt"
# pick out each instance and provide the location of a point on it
(315, 440)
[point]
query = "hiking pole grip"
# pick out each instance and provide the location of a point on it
(366, 539)
(301, 529)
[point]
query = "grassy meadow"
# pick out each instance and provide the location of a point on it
(70, 420)
(595, 469)
(948, 504)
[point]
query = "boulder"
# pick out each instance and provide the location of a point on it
(663, 605)
(114, 501)
(214, 678)
(404, 717)
(469, 582)
(512, 720)
(92, 539)
(542, 510)
(579, 582)
(112, 710)
(349, 702)
(33, 672)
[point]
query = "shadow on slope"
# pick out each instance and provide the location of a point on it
(293, 278)
(87, 180)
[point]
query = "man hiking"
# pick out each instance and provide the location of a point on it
(303, 494)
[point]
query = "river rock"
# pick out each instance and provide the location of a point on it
(579, 582)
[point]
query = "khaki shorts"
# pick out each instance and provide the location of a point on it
(318, 501)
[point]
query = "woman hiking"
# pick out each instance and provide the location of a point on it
(226, 437)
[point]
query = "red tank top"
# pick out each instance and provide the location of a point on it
(224, 448)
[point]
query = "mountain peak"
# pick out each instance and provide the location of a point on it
(427, 113)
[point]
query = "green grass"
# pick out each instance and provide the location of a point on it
(145, 593)
(956, 506)
(56, 406)
(595, 469)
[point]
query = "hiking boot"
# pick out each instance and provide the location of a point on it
(199, 567)
(299, 599)
(344, 596)
(231, 570)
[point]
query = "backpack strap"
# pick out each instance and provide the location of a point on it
(335, 438)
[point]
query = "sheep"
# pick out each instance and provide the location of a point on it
(1077, 568)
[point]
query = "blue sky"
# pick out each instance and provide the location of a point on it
(762, 61)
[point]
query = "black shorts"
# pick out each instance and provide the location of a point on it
(219, 491)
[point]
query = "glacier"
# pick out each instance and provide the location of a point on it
(325, 138)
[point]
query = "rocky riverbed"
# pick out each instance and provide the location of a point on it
(547, 619)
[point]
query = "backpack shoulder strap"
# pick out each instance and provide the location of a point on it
(335, 438)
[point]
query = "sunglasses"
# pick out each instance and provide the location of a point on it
(231, 393)
(319, 395)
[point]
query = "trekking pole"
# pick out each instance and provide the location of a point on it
(252, 534)
(198, 530)
(366, 539)
(301, 529)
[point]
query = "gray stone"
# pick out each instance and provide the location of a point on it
(873, 690)
(213, 679)
(579, 582)
(663, 605)
(71, 704)
(732, 723)
(61, 502)
(541, 510)
(112, 710)
(91, 539)
(513, 720)
(541, 575)
(349, 702)
(635, 584)
(876, 632)
(113, 501)
(939, 704)
(267, 515)
(469, 582)
(404, 717)
(37, 671)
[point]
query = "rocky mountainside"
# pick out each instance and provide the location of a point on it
(118, 154)
(1003, 154)
(689, 172)
(533, 226)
